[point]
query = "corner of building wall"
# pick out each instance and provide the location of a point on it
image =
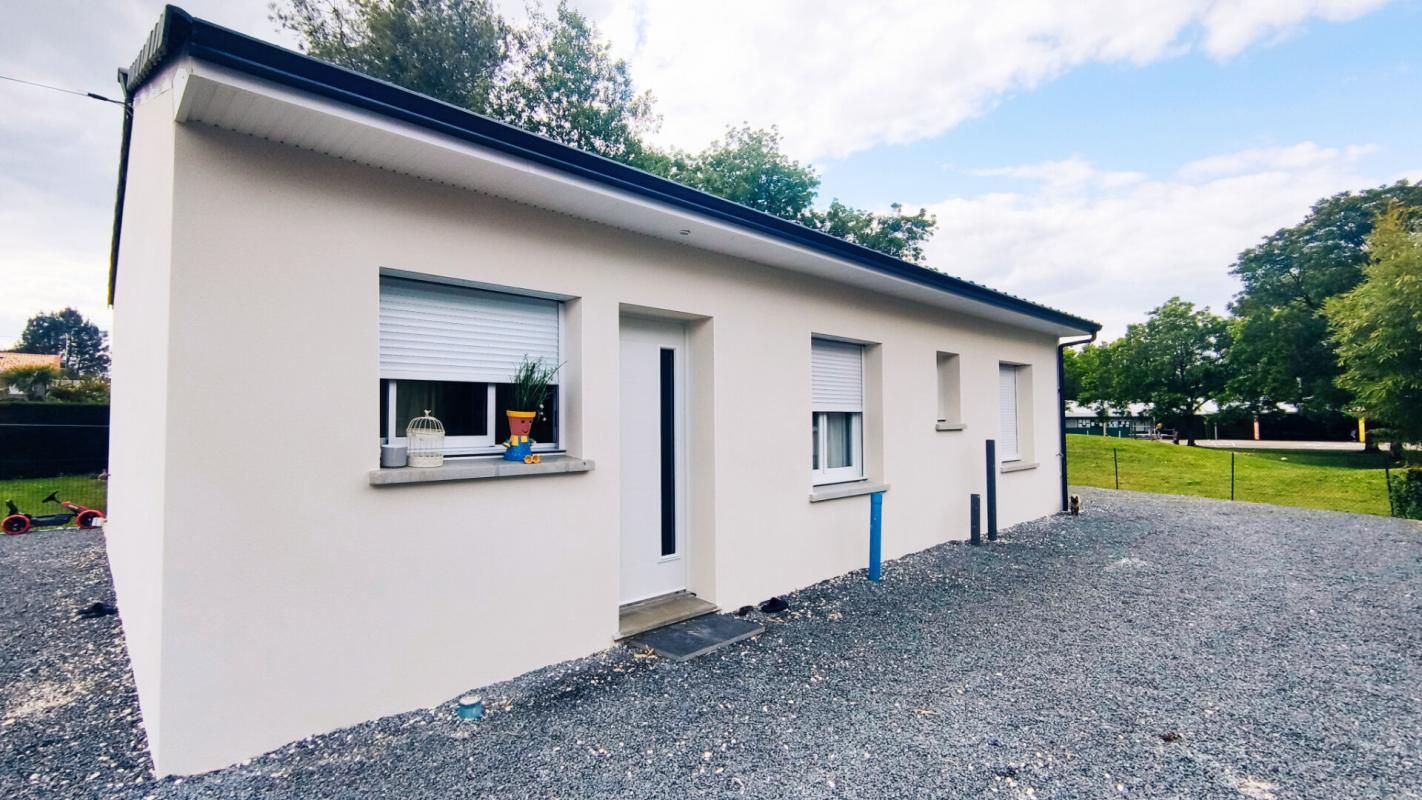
(136, 532)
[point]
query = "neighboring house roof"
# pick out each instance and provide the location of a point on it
(179, 35)
(12, 360)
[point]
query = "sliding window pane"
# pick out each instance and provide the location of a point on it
(463, 408)
(545, 426)
(839, 440)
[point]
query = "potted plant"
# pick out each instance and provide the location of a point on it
(530, 390)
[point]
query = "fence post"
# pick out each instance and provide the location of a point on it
(1231, 474)
(1116, 465)
(1387, 476)
(992, 490)
(975, 521)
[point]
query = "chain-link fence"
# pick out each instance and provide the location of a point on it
(1354, 480)
(52, 455)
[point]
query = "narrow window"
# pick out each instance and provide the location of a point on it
(1008, 440)
(950, 402)
(668, 450)
(837, 419)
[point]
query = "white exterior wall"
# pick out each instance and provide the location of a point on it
(292, 597)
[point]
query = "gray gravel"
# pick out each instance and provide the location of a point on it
(1156, 646)
(69, 724)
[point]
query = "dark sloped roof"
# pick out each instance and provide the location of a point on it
(178, 33)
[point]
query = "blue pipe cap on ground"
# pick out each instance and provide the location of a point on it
(471, 706)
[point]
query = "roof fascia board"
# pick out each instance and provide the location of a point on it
(179, 33)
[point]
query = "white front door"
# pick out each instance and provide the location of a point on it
(653, 458)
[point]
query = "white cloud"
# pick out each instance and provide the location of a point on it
(1259, 159)
(1111, 250)
(1073, 174)
(843, 77)
(59, 153)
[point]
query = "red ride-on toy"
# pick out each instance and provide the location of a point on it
(17, 522)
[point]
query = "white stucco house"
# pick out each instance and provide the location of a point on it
(734, 388)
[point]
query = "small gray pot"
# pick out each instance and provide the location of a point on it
(393, 455)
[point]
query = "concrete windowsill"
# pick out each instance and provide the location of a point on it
(950, 426)
(473, 469)
(1018, 466)
(835, 491)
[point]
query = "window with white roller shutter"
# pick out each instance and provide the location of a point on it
(1008, 437)
(452, 350)
(837, 416)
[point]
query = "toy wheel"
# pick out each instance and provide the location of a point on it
(15, 524)
(88, 518)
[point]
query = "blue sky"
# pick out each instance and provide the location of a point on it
(1330, 83)
(1098, 156)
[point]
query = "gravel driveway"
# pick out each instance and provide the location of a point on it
(1156, 646)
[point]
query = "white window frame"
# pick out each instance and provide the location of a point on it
(824, 474)
(1003, 455)
(453, 445)
(486, 446)
(820, 473)
(950, 387)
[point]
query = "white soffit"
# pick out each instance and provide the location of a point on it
(216, 96)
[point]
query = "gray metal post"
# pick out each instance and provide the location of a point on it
(992, 490)
(975, 521)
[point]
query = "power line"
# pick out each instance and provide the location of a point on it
(91, 95)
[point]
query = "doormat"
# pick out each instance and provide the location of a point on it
(684, 641)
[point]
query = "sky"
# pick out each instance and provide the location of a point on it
(1098, 157)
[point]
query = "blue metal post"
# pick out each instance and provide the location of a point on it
(876, 533)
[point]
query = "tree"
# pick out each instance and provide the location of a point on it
(562, 82)
(34, 381)
(1377, 326)
(1072, 368)
(1174, 361)
(557, 77)
(1098, 382)
(896, 233)
(451, 50)
(82, 348)
(1281, 349)
(746, 166)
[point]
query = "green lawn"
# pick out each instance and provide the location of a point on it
(1335, 481)
(86, 490)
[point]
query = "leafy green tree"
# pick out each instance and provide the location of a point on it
(747, 166)
(1174, 361)
(1281, 350)
(82, 348)
(34, 381)
(557, 77)
(562, 82)
(1072, 368)
(451, 50)
(895, 233)
(1377, 326)
(1097, 382)
(84, 390)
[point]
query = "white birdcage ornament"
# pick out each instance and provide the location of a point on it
(425, 438)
